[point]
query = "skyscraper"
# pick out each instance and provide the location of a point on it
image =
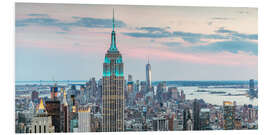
(53, 108)
(130, 78)
(34, 96)
(196, 115)
(205, 119)
(42, 122)
(187, 119)
(113, 89)
(65, 113)
(148, 76)
(229, 115)
(160, 124)
(251, 84)
(84, 119)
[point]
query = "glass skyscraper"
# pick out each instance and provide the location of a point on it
(148, 76)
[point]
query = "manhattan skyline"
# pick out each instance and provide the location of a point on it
(183, 43)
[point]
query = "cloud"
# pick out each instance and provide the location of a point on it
(220, 34)
(156, 32)
(172, 44)
(219, 58)
(229, 46)
(148, 34)
(196, 37)
(89, 22)
(152, 29)
(40, 15)
(221, 18)
(237, 35)
(243, 12)
(97, 22)
(234, 46)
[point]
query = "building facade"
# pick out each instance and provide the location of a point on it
(229, 115)
(113, 89)
(42, 122)
(160, 124)
(84, 119)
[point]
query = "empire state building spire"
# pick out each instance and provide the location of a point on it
(113, 42)
(113, 89)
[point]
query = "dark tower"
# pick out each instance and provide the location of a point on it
(196, 114)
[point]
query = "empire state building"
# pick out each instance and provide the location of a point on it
(113, 88)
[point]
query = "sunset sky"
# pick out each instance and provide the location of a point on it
(69, 41)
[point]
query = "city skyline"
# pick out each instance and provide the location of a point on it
(75, 41)
(114, 104)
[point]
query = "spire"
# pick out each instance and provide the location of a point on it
(113, 19)
(113, 42)
(41, 107)
(148, 59)
(65, 99)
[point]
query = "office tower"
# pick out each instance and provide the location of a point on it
(65, 113)
(160, 124)
(73, 115)
(72, 91)
(148, 76)
(205, 119)
(53, 109)
(237, 123)
(113, 89)
(173, 93)
(21, 121)
(196, 115)
(74, 122)
(99, 91)
(130, 87)
(177, 124)
(144, 110)
(161, 88)
(171, 122)
(252, 91)
(251, 114)
(82, 98)
(130, 78)
(189, 125)
(73, 104)
(84, 119)
(42, 122)
(229, 115)
(187, 119)
(34, 96)
(129, 94)
(92, 88)
(54, 92)
(183, 96)
(137, 86)
(143, 87)
(251, 84)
